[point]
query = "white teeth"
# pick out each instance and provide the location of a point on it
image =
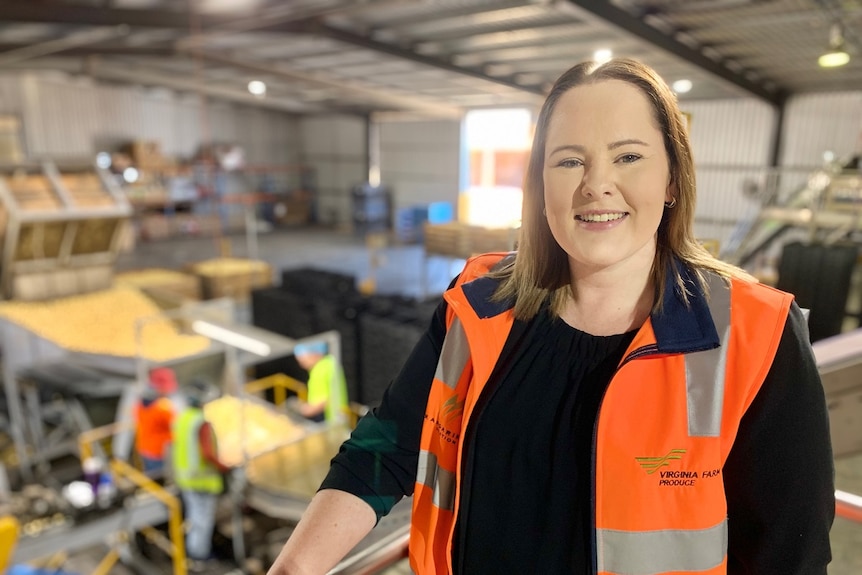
(601, 217)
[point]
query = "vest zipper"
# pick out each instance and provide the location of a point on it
(647, 350)
(506, 356)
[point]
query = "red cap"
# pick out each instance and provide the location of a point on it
(163, 380)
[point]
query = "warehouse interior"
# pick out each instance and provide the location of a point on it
(203, 184)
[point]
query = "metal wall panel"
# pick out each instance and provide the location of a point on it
(816, 123)
(11, 101)
(732, 142)
(336, 147)
(420, 161)
(67, 118)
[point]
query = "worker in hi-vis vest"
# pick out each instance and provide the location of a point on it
(197, 471)
(154, 417)
(327, 388)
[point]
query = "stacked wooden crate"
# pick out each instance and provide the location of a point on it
(60, 231)
(231, 277)
(461, 240)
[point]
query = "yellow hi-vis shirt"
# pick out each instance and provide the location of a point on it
(326, 383)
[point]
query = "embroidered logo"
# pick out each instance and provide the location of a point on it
(452, 408)
(652, 464)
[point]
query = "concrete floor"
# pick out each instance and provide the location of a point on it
(396, 269)
(399, 270)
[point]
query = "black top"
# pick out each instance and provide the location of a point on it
(779, 510)
(535, 433)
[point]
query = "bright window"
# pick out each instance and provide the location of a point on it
(498, 147)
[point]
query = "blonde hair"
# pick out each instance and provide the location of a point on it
(541, 267)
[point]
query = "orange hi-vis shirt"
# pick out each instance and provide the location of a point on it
(670, 414)
(154, 427)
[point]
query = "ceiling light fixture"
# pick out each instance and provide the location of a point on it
(682, 86)
(837, 54)
(603, 55)
(257, 87)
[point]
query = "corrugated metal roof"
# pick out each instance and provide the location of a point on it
(427, 55)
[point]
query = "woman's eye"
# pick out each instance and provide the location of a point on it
(570, 163)
(629, 158)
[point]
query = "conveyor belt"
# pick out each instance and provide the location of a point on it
(281, 482)
(137, 513)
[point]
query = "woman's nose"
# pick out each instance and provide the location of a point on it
(598, 181)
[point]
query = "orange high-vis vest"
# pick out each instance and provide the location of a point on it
(154, 427)
(664, 430)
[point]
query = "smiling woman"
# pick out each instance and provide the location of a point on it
(606, 180)
(642, 427)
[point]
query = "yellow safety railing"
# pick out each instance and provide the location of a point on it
(280, 384)
(121, 469)
(9, 531)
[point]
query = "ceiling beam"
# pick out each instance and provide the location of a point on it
(443, 13)
(83, 15)
(102, 49)
(624, 20)
(146, 76)
(56, 45)
(404, 54)
(51, 12)
(384, 97)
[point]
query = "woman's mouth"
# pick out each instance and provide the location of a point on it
(596, 218)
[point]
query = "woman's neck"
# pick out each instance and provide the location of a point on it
(610, 301)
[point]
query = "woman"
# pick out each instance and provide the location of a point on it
(609, 399)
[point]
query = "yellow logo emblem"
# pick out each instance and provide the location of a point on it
(653, 464)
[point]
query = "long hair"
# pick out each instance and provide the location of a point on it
(541, 267)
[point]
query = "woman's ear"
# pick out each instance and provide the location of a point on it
(670, 192)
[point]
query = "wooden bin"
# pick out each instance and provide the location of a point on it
(483, 240)
(231, 277)
(183, 286)
(446, 239)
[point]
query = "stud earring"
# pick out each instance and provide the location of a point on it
(671, 204)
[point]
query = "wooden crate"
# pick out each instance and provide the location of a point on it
(86, 190)
(181, 285)
(33, 192)
(231, 277)
(483, 240)
(447, 239)
(56, 283)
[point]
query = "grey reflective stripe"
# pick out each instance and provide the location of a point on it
(668, 550)
(705, 370)
(428, 473)
(454, 356)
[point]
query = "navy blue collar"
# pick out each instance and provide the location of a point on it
(678, 327)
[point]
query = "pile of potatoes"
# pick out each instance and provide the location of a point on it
(264, 429)
(104, 322)
(150, 277)
(229, 267)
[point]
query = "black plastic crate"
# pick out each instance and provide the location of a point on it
(819, 276)
(281, 312)
(318, 283)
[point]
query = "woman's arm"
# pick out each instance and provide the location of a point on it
(332, 525)
(779, 476)
(378, 463)
(373, 470)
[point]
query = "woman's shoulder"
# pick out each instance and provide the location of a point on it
(483, 264)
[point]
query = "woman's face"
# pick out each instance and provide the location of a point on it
(606, 176)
